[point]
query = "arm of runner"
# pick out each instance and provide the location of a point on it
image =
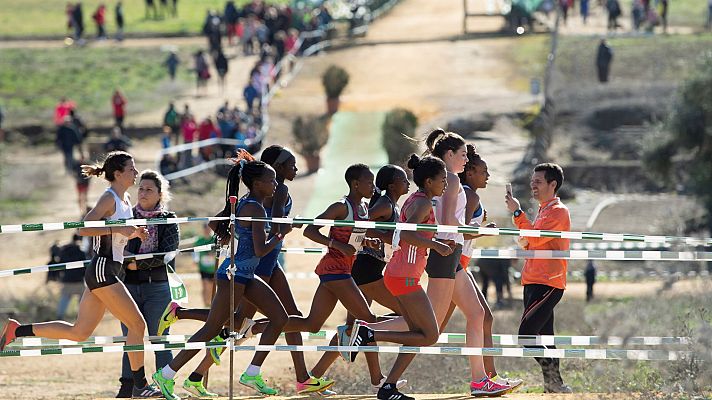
(555, 220)
(450, 200)
(417, 213)
(336, 211)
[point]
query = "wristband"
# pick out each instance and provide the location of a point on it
(279, 236)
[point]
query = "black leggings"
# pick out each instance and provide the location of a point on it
(538, 319)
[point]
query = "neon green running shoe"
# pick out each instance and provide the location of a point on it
(166, 385)
(216, 352)
(257, 383)
(198, 390)
(313, 385)
(168, 318)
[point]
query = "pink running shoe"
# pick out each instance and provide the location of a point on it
(8, 333)
(488, 388)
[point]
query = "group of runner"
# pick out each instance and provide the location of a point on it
(359, 267)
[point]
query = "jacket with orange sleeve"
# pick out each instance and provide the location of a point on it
(553, 216)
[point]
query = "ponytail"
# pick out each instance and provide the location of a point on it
(439, 142)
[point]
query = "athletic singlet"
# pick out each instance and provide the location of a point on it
(285, 212)
(386, 251)
(269, 261)
(478, 218)
(459, 215)
(334, 261)
(409, 261)
(245, 259)
(112, 246)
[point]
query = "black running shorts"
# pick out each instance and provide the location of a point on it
(443, 267)
(367, 269)
(103, 272)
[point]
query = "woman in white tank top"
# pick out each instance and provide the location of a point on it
(448, 283)
(105, 290)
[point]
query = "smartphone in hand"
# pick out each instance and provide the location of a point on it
(508, 188)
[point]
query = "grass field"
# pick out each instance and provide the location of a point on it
(29, 93)
(649, 58)
(18, 17)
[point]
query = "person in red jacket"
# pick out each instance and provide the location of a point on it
(544, 280)
(118, 101)
(99, 18)
(207, 130)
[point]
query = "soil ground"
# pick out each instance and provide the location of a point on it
(411, 63)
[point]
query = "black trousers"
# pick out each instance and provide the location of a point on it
(538, 319)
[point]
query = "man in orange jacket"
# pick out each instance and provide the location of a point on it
(544, 280)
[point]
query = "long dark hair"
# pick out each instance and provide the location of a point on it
(439, 142)
(473, 159)
(245, 169)
(425, 168)
(113, 162)
(384, 177)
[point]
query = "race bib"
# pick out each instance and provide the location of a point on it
(179, 294)
(356, 239)
(206, 259)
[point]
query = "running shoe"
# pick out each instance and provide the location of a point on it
(399, 384)
(168, 318)
(392, 393)
(197, 389)
(166, 385)
(257, 383)
(487, 388)
(327, 393)
(8, 333)
(146, 392)
(361, 335)
(514, 383)
(343, 340)
(216, 352)
(314, 385)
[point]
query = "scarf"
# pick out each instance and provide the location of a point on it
(149, 245)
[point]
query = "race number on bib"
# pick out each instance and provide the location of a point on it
(356, 239)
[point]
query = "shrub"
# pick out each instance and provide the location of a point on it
(334, 80)
(311, 134)
(399, 125)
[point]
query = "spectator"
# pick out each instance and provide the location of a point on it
(2, 133)
(174, 8)
(99, 18)
(207, 130)
(72, 279)
(171, 64)
(212, 31)
(147, 280)
(664, 14)
(78, 22)
(119, 15)
(231, 16)
(166, 137)
(151, 6)
(614, 11)
(82, 186)
(584, 10)
(118, 101)
(171, 119)
(79, 125)
(495, 270)
(67, 139)
(590, 274)
(206, 265)
(117, 142)
(603, 61)
(221, 67)
(164, 8)
(637, 14)
(188, 127)
(168, 164)
(62, 110)
(53, 276)
(202, 71)
(69, 11)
